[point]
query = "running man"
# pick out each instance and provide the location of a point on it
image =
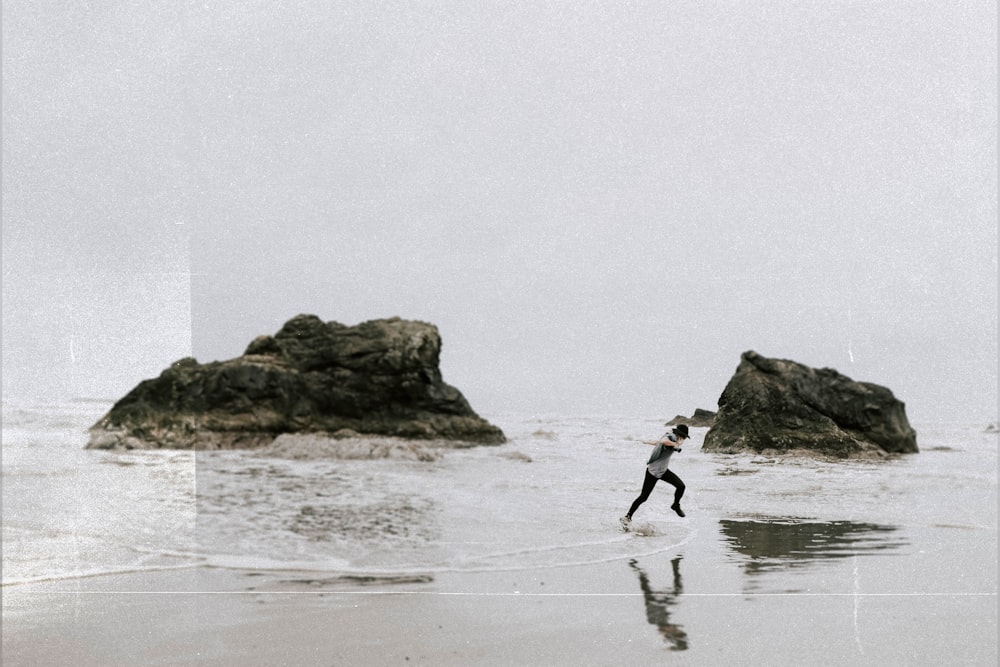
(656, 469)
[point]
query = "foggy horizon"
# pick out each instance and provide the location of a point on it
(600, 207)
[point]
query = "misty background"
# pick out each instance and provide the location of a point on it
(599, 204)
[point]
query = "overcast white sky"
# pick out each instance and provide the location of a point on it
(601, 205)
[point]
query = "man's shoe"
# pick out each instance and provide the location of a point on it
(677, 508)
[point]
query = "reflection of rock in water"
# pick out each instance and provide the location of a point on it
(783, 542)
(659, 606)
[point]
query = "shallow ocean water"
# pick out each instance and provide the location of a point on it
(922, 525)
(552, 495)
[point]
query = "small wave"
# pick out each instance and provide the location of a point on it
(615, 546)
(656, 539)
(257, 564)
(617, 549)
(95, 572)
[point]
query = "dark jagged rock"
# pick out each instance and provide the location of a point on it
(377, 378)
(775, 404)
(700, 419)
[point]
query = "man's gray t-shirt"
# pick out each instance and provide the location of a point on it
(659, 460)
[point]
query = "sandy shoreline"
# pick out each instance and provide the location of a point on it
(690, 606)
(210, 616)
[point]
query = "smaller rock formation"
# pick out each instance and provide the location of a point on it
(312, 377)
(783, 406)
(700, 419)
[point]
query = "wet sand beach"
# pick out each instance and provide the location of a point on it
(701, 604)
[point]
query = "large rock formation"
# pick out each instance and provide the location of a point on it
(379, 377)
(775, 404)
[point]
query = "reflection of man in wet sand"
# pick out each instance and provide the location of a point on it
(658, 604)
